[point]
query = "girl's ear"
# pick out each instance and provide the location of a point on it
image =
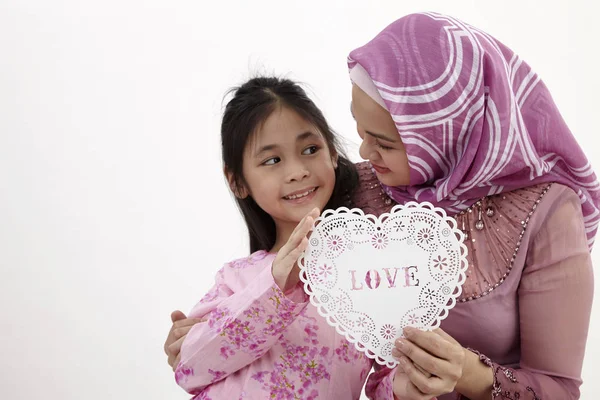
(238, 191)
(334, 160)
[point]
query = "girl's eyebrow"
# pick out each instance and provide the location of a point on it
(301, 137)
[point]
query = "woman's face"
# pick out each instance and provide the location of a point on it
(381, 143)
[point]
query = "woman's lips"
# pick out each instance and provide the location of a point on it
(380, 170)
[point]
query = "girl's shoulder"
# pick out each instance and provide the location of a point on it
(240, 272)
(254, 260)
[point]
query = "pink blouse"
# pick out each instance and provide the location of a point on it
(526, 304)
(261, 344)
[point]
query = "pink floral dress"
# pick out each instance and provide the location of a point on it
(260, 343)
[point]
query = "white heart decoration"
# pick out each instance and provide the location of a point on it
(371, 277)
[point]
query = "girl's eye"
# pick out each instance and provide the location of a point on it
(310, 150)
(272, 161)
(382, 147)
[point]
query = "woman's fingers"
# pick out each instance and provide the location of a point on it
(433, 365)
(431, 342)
(424, 387)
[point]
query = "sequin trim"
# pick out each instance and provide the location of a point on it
(524, 223)
(497, 391)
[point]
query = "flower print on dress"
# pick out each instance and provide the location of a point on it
(249, 261)
(217, 318)
(211, 295)
(311, 329)
(294, 377)
(203, 395)
(182, 373)
(241, 334)
(217, 375)
(348, 353)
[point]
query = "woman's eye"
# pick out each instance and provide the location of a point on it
(272, 161)
(382, 147)
(310, 150)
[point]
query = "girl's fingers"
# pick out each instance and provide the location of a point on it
(297, 237)
(293, 256)
(314, 213)
(299, 231)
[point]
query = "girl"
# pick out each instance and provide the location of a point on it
(261, 338)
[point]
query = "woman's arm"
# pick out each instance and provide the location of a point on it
(555, 299)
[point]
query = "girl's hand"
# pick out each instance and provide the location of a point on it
(287, 257)
(431, 364)
(181, 326)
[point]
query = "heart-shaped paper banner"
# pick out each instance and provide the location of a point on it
(371, 277)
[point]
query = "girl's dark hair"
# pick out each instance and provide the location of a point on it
(251, 105)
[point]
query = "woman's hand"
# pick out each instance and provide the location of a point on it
(181, 326)
(431, 364)
(287, 257)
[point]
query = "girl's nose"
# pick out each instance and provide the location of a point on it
(297, 172)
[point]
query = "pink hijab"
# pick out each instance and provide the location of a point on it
(474, 118)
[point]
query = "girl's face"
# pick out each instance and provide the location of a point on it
(381, 143)
(288, 168)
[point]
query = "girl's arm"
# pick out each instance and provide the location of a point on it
(240, 327)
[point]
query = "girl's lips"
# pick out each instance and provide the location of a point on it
(380, 170)
(303, 199)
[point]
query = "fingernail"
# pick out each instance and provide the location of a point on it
(403, 361)
(401, 344)
(408, 331)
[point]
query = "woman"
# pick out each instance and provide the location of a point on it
(449, 115)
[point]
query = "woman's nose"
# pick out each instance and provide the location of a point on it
(366, 150)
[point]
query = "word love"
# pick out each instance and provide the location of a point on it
(373, 278)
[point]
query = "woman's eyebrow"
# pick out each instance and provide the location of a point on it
(381, 137)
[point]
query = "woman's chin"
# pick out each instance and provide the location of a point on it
(390, 179)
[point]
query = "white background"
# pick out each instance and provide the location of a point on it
(113, 210)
